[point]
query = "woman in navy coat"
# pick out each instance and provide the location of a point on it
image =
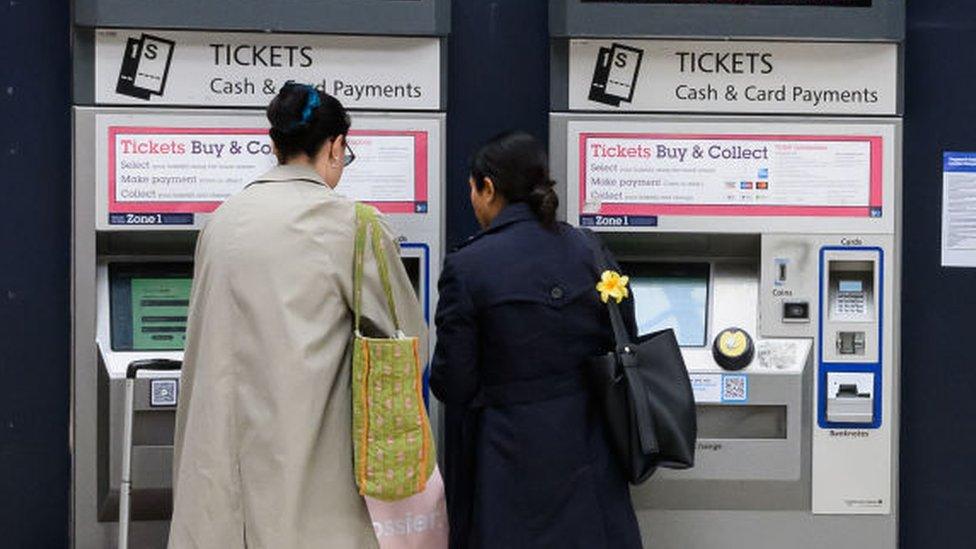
(528, 463)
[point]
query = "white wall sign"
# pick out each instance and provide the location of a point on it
(959, 209)
(708, 76)
(148, 67)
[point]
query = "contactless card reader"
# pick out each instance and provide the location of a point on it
(850, 397)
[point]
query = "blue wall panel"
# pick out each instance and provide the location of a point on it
(35, 216)
(938, 445)
(498, 79)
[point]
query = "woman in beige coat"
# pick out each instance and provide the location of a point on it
(263, 451)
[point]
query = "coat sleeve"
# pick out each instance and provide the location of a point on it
(377, 318)
(454, 374)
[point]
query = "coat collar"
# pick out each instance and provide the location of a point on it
(291, 172)
(511, 214)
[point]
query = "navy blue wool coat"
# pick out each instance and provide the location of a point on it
(527, 462)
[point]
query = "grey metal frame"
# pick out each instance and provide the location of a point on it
(402, 17)
(884, 20)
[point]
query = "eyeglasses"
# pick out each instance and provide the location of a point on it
(349, 157)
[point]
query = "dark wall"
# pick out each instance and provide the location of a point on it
(498, 79)
(938, 446)
(35, 169)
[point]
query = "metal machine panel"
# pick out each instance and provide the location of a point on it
(101, 245)
(854, 471)
(818, 19)
(412, 17)
(820, 292)
(816, 292)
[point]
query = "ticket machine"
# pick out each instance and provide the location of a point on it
(168, 123)
(751, 190)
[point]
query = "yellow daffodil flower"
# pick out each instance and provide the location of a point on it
(612, 285)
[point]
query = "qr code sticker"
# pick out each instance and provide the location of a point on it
(735, 389)
(163, 392)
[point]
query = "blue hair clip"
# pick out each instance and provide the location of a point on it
(311, 104)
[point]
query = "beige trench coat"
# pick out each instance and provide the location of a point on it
(263, 450)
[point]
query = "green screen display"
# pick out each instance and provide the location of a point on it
(159, 309)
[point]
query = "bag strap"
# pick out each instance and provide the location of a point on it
(367, 226)
(620, 335)
(625, 353)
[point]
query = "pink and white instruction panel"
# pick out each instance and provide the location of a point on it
(636, 178)
(169, 173)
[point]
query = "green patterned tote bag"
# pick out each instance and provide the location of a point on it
(394, 450)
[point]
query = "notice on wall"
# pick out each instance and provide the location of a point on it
(191, 68)
(733, 76)
(959, 209)
(631, 178)
(160, 175)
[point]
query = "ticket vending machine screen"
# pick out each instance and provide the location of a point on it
(671, 295)
(149, 303)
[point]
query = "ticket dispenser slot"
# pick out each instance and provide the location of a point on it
(850, 397)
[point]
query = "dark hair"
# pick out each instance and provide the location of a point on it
(519, 167)
(301, 123)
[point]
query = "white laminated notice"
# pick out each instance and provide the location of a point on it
(707, 387)
(959, 209)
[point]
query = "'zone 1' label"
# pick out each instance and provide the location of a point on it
(618, 221)
(149, 219)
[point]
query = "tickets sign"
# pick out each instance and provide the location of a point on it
(195, 68)
(180, 170)
(644, 175)
(733, 76)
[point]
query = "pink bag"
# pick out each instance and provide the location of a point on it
(416, 522)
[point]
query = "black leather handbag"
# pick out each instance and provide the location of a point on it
(645, 395)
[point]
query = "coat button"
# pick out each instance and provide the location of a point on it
(556, 292)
